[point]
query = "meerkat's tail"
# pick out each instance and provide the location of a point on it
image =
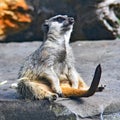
(94, 85)
(71, 92)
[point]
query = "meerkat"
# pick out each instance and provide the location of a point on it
(49, 72)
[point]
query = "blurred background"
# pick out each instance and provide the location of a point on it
(21, 20)
(95, 20)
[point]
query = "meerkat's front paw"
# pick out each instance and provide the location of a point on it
(52, 97)
(58, 91)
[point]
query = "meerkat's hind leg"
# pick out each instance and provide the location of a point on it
(35, 91)
(82, 84)
(83, 90)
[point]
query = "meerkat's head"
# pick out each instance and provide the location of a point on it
(59, 25)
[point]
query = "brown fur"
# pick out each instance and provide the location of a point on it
(49, 72)
(38, 89)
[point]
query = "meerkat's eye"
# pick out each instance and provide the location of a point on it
(60, 19)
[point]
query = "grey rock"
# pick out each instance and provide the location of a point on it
(102, 106)
(30, 110)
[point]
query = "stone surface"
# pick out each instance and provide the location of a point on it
(30, 110)
(94, 20)
(88, 55)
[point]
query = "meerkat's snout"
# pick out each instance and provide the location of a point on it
(71, 20)
(68, 22)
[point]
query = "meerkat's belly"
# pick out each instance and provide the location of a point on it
(61, 70)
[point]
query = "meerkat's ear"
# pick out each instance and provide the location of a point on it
(46, 23)
(45, 26)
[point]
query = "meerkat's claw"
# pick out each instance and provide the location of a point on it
(61, 95)
(55, 96)
(101, 88)
(52, 97)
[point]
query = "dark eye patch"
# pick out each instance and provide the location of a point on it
(59, 19)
